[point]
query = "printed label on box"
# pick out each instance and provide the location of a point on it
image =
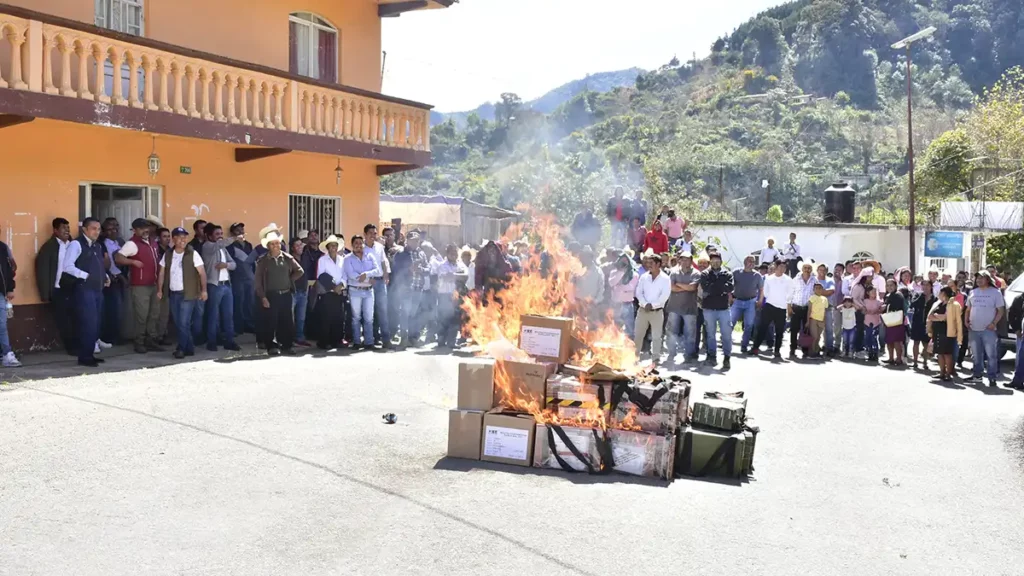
(511, 443)
(629, 458)
(537, 341)
(581, 442)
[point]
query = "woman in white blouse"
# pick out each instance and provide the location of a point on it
(330, 306)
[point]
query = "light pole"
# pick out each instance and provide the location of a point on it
(906, 43)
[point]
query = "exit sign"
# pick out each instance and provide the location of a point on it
(185, 169)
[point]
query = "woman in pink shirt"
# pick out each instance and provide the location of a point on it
(622, 281)
(637, 236)
(872, 320)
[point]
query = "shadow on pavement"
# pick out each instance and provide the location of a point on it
(462, 465)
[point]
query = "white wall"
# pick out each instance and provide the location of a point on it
(821, 244)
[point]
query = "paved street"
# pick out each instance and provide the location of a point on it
(283, 467)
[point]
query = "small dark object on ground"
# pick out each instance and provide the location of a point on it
(390, 418)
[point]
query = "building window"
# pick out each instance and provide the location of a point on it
(313, 47)
(863, 256)
(120, 15)
(306, 212)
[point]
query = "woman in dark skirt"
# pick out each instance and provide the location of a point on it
(945, 327)
(920, 307)
(895, 335)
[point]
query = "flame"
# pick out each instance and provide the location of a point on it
(544, 287)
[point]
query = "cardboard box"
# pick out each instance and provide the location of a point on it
(725, 413)
(703, 452)
(464, 431)
(476, 385)
(640, 454)
(527, 382)
(507, 439)
(661, 416)
(571, 398)
(584, 440)
(545, 337)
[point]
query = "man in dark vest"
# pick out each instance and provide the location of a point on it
(49, 269)
(83, 262)
(182, 281)
(139, 257)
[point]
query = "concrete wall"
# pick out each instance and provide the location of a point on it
(822, 244)
(251, 31)
(43, 163)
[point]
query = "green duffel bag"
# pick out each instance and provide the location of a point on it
(701, 452)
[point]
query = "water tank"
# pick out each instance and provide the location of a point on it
(840, 202)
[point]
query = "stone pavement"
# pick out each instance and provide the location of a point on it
(234, 464)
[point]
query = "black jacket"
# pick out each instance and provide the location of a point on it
(717, 286)
(6, 272)
(1015, 315)
(46, 268)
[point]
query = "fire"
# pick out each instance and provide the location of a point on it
(544, 287)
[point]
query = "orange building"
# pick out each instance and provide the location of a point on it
(250, 111)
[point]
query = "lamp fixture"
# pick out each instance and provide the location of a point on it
(154, 161)
(337, 173)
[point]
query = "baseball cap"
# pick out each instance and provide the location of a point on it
(179, 231)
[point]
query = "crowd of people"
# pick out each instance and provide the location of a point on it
(852, 309)
(206, 288)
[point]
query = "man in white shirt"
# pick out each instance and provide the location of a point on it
(791, 255)
(182, 295)
(652, 291)
(775, 292)
(49, 268)
(381, 324)
(449, 274)
(769, 253)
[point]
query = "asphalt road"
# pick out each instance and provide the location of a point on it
(283, 467)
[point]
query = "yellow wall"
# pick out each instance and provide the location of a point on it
(43, 163)
(251, 30)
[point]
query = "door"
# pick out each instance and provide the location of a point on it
(120, 202)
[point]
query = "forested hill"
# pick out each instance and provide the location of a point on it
(551, 100)
(800, 95)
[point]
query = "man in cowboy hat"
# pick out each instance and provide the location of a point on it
(276, 273)
(140, 257)
(803, 289)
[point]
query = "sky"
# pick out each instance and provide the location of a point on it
(460, 57)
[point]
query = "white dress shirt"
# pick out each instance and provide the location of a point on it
(768, 255)
(62, 250)
(74, 250)
(653, 291)
(790, 252)
(381, 254)
(446, 273)
(177, 279)
(777, 290)
(331, 267)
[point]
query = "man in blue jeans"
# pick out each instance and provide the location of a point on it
(182, 281)
(717, 285)
(220, 313)
(985, 308)
(361, 270)
(682, 310)
(746, 289)
(382, 328)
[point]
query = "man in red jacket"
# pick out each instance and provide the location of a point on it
(141, 258)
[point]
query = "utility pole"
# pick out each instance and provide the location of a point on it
(906, 43)
(721, 184)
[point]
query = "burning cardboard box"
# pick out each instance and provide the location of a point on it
(572, 399)
(640, 454)
(659, 407)
(568, 448)
(545, 337)
(508, 439)
(476, 385)
(464, 430)
(521, 386)
(714, 453)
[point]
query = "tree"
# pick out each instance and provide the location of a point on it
(507, 109)
(944, 172)
(774, 214)
(765, 46)
(1006, 252)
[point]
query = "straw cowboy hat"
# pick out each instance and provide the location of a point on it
(271, 234)
(270, 228)
(332, 239)
(156, 221)
(628, 252)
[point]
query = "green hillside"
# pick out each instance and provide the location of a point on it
(800, 95)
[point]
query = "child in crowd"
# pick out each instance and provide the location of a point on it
(817, 304)
(872, 320)
(849, 325)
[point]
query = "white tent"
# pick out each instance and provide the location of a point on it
(987, 216)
